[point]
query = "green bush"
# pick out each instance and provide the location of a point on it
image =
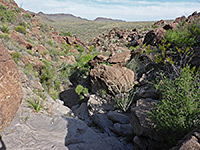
(63, 33)
(179, 109)
(5, 37)
(81, 91)
(7, 15)
(20, 29)
(16, 56)
(49, 79)
(4, 28)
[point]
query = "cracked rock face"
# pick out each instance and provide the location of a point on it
(10, 87)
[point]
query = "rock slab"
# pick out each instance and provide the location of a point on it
(10, 87)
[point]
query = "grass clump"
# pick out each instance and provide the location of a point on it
(179, 109)
(20, 29)
(16, 56)
(4, 28)
(35, 104)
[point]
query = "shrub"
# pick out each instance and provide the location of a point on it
(81, 91)
(5, 37)
(16, 56)
(63, 33)
(179, 109)
(29, 70)
(7, 15)
(20, 29)
(124, 96)
(49, 79)
(5, 28)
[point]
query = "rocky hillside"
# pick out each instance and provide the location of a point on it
(125, 89)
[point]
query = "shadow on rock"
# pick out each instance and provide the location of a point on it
(2, 145)
(69, 97)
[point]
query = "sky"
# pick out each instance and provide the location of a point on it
(128, 10)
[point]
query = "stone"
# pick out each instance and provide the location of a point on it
(21, 41)
(180, 19)
(33, 60)
(103, 122)
(104, 76)
(191, 144)
(98, 60)
(160, 23)
(146, 92)
(170, 26)
(140, 143)
(123, 129)
(120, 58)
(96, 105)
(10, 86)
(114, 143)
(82, 113)
(57, 133)
(142, 124)
(154, 37)
(118, 117)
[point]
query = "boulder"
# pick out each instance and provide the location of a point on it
(180, 19)
(142, 124)
(170, 26)
(160, 23)
(103, 122)
(33, 60)
(10, 86)
(154, 37)
(191, 141)
(57, 133)
(123, 129)
(96, 104)
(98, 60)
(120, 58)
(104, 76)
(146, 92)
(118, 117)
(20, 40)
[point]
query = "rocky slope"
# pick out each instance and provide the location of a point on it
(82, 96)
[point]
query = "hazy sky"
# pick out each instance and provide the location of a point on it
(129, 10)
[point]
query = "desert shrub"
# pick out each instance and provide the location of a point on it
(180, 37)
(179, 109)
(16, 56)
(80, 49)
(23, 24)
(63, 33)
(4, 28)
(27, 16)
(49, 79)
(20, 29)
(123, 96)
(29, 70)
(82, 92)
(7, 15)
(5, 37)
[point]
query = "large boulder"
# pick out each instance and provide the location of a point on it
(154, 37)
(142, 123)
(120, 58)
(104, 76)
(191, 141)
(20, 40)
(10, 87)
